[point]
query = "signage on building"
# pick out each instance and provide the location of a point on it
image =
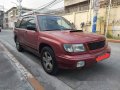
(96, 5)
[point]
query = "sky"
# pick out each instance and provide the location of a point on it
(32, 4)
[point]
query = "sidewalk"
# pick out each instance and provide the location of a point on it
(10, 77)
(113, 40)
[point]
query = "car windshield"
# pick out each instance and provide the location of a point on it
(50, 23)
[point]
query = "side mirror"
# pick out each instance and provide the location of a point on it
(31, 27)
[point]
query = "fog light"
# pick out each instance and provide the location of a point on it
(80, 63)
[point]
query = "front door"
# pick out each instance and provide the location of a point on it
(31, 36)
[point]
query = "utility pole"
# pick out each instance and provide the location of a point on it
(20, 7)
(96, 6)
(108, 18)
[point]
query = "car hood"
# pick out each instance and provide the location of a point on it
(75, 37)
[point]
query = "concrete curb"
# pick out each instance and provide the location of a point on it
(28, 76)
(113, 40)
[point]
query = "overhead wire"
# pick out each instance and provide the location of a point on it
(46, 6)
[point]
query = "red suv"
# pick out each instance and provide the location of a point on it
(58, 43)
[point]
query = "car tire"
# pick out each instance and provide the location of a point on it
(48, 61)
(18, 46)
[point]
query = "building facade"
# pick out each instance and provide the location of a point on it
(1, 18)
(76, 5)
(12, 15)
(77, 16)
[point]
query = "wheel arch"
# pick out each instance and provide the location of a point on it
(44, 45)
(15, 38)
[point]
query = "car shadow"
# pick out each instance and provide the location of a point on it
(91, 73)
(32, 56)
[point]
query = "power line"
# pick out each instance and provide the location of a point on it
(54, 3)
(50, 5)
(44, 7)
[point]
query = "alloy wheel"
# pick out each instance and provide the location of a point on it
(47, 61)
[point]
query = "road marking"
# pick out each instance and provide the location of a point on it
(35, 84)
(28, 76)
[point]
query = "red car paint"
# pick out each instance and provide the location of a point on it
(32, 40)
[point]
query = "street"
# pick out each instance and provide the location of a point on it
(104, 75)
(10, 76)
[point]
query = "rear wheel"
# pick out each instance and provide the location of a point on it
(18, 46)
(48, 61)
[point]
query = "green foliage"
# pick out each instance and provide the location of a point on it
(109, 35)
(112, 37)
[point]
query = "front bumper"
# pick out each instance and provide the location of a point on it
(70, 62)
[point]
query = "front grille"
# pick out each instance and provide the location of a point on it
(96, 45)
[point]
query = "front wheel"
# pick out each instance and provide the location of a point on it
(48, 61)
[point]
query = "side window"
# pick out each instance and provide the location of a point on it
(63, 24)
(31, 22)
(23, 23)
(17, 24)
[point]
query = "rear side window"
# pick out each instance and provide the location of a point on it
(31, 22)
(17, 24)
(23, 23)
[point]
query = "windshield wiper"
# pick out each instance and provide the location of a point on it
(71, 30)
(76, 31)
(52, 30)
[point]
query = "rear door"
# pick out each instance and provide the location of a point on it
(21, 30)
(31, 36)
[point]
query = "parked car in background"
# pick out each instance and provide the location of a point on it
(58, 43)
(0, 29)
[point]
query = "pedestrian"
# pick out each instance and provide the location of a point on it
(82, 25)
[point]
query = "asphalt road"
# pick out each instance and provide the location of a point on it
(104, 75)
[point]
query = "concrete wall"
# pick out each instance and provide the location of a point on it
(77, 18)
(114, 26)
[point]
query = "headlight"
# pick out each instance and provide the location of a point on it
(74, 47)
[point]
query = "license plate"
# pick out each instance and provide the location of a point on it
(102, 57)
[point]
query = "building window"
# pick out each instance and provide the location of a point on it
(77, 7)
(105, 3)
